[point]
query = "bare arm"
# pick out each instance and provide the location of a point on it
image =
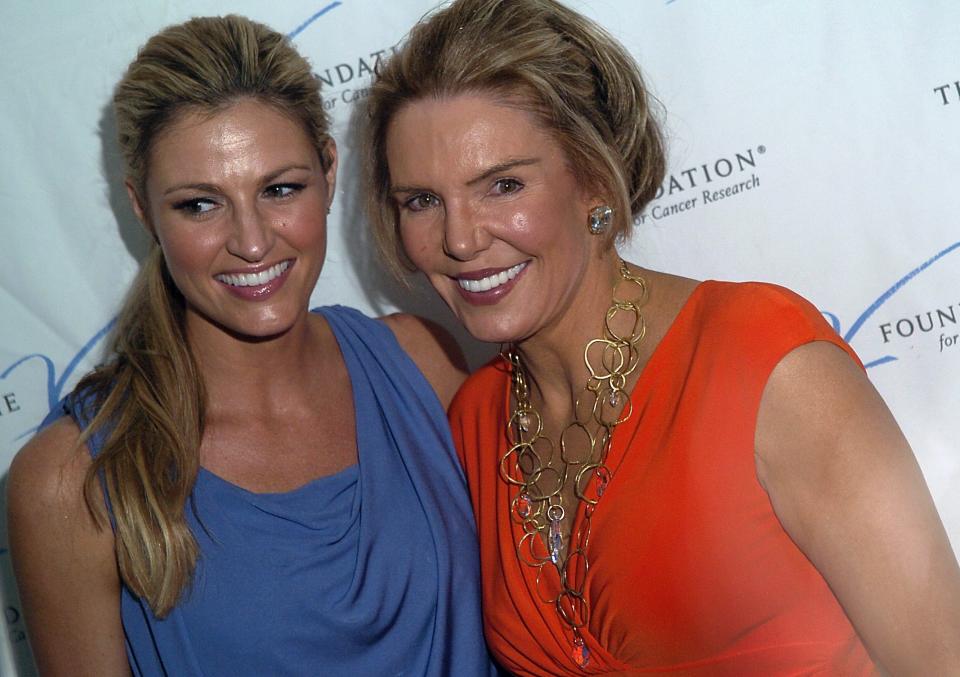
(65, 566)
(433, 350)
(846, 487)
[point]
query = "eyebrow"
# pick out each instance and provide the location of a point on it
(487, 173)
(211, 188)
(502, 167)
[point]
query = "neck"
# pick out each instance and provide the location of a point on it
(553, 358)
(258, 376)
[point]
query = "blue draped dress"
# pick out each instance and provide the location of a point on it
(370, 571)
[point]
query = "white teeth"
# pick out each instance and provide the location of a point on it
(254, 279)
(492, 281)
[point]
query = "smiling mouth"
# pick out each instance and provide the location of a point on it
(491, 281)
(253, 279)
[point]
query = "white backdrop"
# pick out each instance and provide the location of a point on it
(835, 127)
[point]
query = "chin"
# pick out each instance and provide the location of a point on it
(273, 325)
(508, 319)
(492, 332)
(252, 327)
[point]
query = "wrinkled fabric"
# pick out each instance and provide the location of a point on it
(370, 571)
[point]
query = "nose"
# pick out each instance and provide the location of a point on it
(464, 234)
(252, 236)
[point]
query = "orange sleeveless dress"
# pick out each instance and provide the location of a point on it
(691, 573)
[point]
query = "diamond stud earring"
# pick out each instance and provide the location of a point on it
(600, 219)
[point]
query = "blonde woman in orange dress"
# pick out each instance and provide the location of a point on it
(668, 476)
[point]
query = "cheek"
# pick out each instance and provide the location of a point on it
(530, 231)
(305, 228)
(187, 253)
(542, 227)
(306, 233)
(419, 245)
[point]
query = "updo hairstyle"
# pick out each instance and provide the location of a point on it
(580, 84)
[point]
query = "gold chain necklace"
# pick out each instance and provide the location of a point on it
(537, 479)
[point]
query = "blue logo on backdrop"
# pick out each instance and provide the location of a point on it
(55, 384)
(335, 78)
(883, 298)
(316, 15)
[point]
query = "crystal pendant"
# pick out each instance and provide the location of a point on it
(554, 540)
(555, 545)
(523, 506)
(614, 398)
(524, 422)
(580, 653)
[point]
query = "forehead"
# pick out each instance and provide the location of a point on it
(465, 133)
(247, 130)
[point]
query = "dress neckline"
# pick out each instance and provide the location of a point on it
(346, 474)
(617, 450)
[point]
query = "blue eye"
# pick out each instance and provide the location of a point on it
(506, 186)
(421, 202)
(283, 189)
(199, 205)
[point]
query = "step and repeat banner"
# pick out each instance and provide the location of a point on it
(815, 145)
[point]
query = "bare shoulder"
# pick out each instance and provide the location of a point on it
(816, 390)
(45, 492)
(845, 485)
(49, 471)
(433, 350)
(817, 410)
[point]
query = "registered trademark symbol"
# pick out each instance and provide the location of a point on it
(761, 149)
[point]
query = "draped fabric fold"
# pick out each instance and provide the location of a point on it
(370, 571)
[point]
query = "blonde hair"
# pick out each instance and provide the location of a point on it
(579, 82)
(149, 397)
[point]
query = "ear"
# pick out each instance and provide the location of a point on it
(139, 209)
(591, 196)
(330, 152)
